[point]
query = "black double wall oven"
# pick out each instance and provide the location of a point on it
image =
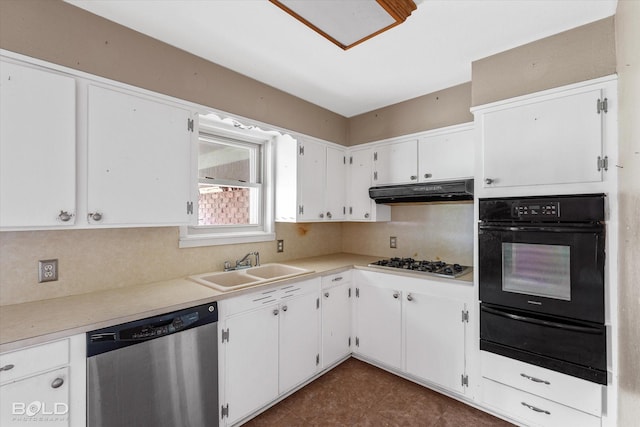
(541, 280)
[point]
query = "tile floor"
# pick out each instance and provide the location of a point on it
(358, 394)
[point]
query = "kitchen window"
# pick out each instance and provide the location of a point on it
(234, 179)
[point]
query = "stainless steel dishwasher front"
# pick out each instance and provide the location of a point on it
(158, 372)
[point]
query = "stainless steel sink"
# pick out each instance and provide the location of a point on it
(236, 279)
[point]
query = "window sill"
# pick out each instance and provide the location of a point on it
(225, 239)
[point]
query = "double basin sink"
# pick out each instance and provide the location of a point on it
(236, 279)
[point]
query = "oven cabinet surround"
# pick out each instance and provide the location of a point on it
(437, 155)
(37, 149)
(415, 326)
(336, 318)
(310, 180)
(110, 154)
(44, 385)
(359, 179)
(270, 344)
(537, 396)
(559, 141)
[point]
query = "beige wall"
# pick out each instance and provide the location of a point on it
(576, 55)
(628, 54)
(435, 110)
(64, 34)
(91, 260)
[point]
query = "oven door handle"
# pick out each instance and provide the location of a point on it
(548, 323)
(576, 228)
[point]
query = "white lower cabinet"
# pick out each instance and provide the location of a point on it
(336, 318)
(270, 344)
(538, 396)
(44, 385)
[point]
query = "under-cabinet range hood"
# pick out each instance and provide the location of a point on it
(444, 191)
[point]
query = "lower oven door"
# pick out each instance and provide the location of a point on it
(574, 348)
(550, 269)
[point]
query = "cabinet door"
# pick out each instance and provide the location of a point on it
(378, 324)
(336, 323)
(299, 340)
(556, 141)
(39, 400)
(138, 160)
(37, 147)
(396, 163)
(336, 172)
(251, 361)
(448, 156)
(435, 335)
(360, 176)
(312, 164)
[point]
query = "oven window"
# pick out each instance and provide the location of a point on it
(533, 269)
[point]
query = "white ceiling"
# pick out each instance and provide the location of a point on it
(432, 50)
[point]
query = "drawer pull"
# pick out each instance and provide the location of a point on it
(336, 279)
(57, 383)
(533, 408)
(534, 379)
(6, 367)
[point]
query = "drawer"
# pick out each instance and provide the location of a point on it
(336, 279)
(531, 409)
(254, 300)
(31, 360)
(565, 389)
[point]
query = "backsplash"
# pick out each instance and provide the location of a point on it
(437, 231)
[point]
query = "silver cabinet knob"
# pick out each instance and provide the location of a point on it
(329, 215)
(284, 308)
(321, 215)
(64, 216)
(427, 175)
(7, 367)
(409, 297)
(95, 216)
(57, 383)
(326, 294)
(366, 215)
(488, 181)
(413, 177)
(275, 311)
(396, 295)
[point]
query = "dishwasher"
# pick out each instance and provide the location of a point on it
(160, 371)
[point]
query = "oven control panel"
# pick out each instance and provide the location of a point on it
(537, 210)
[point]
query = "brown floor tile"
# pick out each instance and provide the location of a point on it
(357, 394)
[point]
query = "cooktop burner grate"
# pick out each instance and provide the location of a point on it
(434, 268)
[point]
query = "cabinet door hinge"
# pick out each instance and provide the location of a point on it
(344, 210)
(350, 210)
(603, 163)
(224, 411)
(375, 176)
(301, 150)
(300, 209)
(225, 335)
(190, 125)
(189, 208)
(350, 160)
(317, 303)
(349, 341)
(465, 316)
(602, 106)
(357, 342)
(357, 292)
(464, 380)
(317, 359)
(344, 160)
(375, 156)
(349, 297)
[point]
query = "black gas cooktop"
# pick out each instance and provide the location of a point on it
(433, 268)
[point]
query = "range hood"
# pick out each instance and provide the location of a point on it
(444, 191)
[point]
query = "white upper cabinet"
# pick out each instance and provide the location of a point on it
(138, 160)
(556, 137)
(310, 181)
(446, 155)
(396, 163)
(37, 147)
(360, 177)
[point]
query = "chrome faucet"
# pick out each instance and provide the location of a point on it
(245, 262)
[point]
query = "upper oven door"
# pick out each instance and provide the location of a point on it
(550, 268)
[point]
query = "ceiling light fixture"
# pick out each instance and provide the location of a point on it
(348, 22)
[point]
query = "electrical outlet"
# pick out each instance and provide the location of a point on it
(393, 242)
(47, 270)
(280, 245)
